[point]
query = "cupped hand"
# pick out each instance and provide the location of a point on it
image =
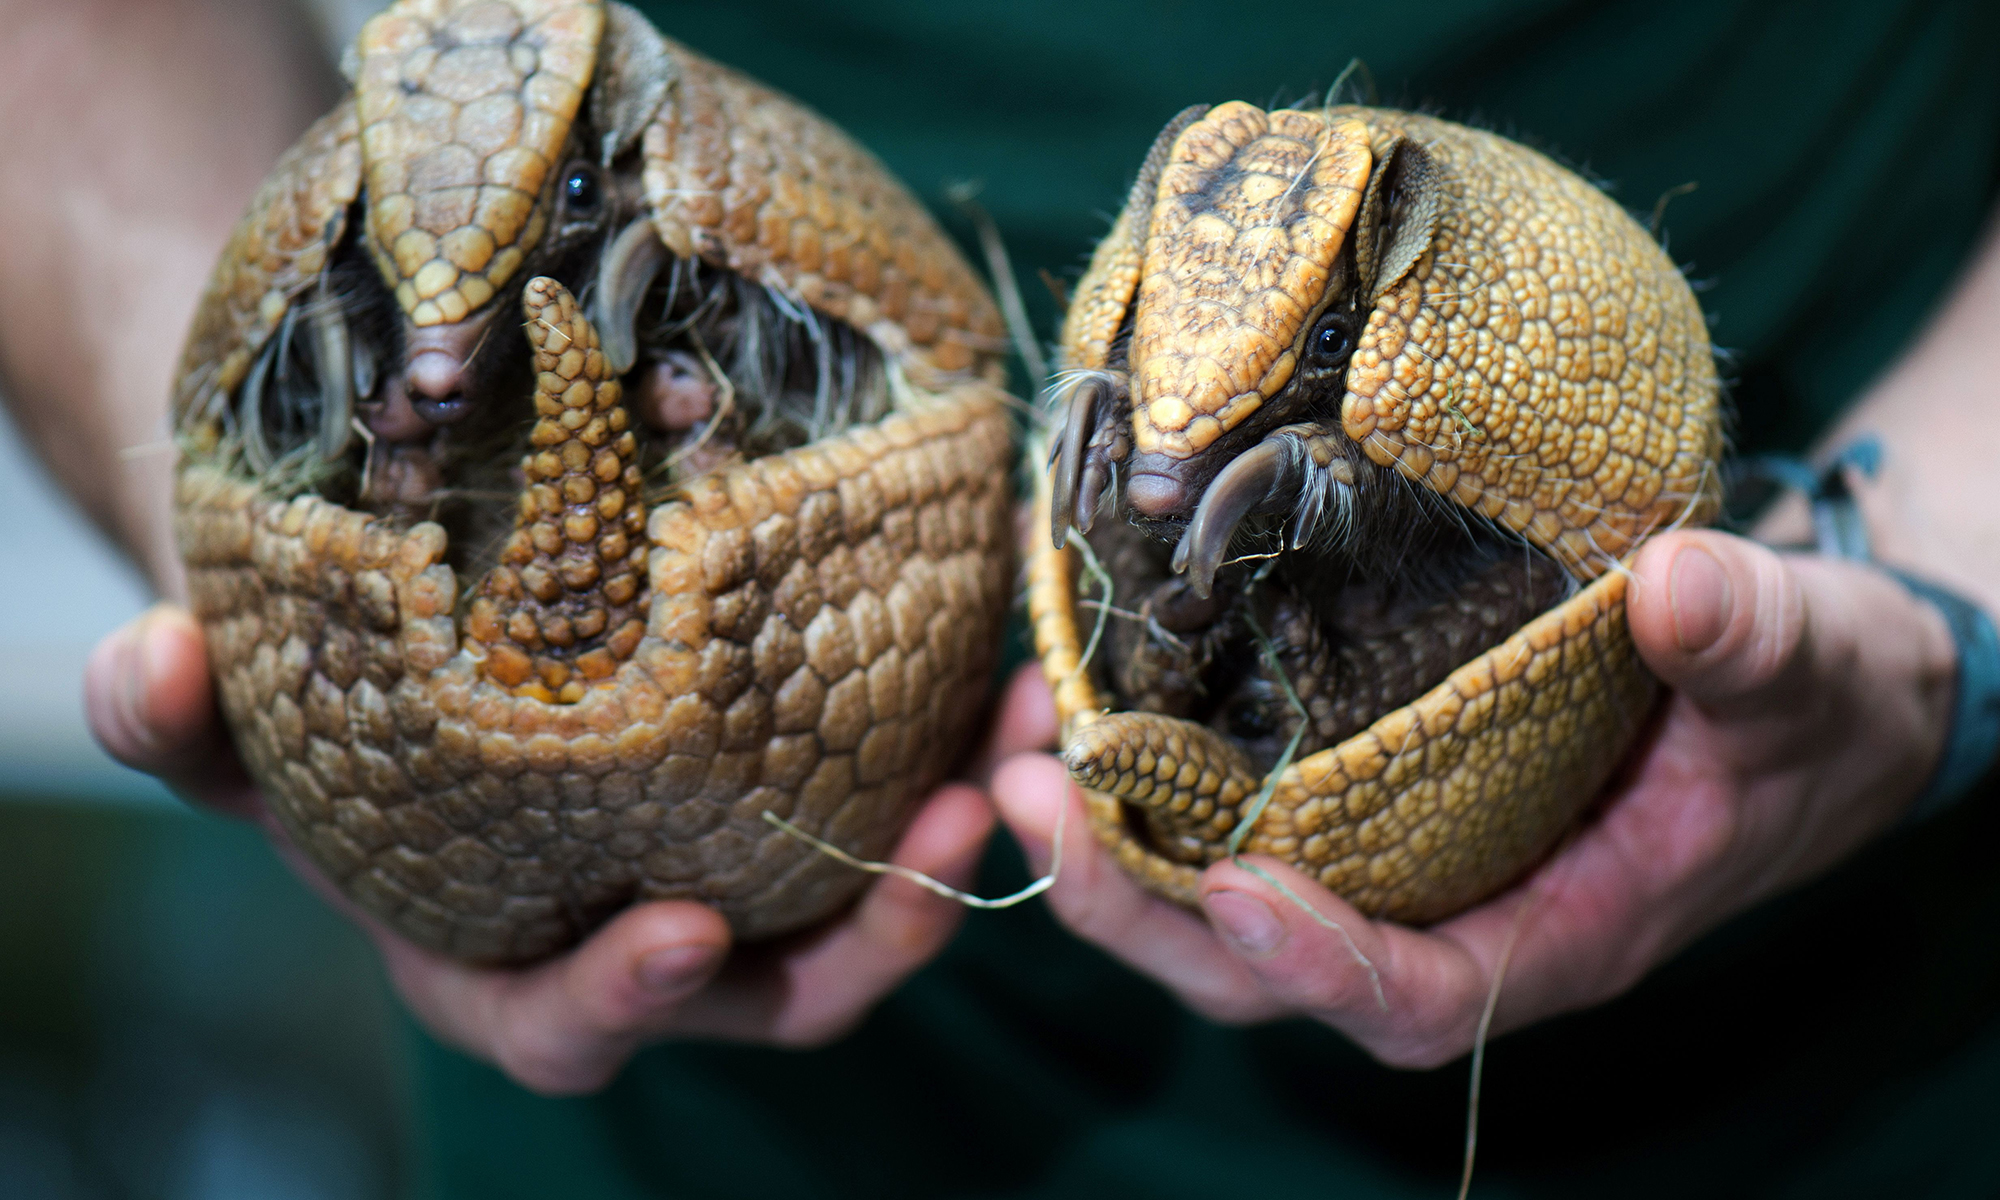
(1809, 703)
(656, 970)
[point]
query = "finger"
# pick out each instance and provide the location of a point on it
(1024, 720)
(565, 1027)
(1100, 903)
(1718, 617)
(148, 698)
(1736, 625)
(1410, 998)
(810, 991)
(1791, 650)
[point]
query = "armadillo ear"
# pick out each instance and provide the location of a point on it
(1145, 188)
(1102, 301)
(1399, 215)
(635, 71)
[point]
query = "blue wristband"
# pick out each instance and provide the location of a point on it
(1973, 742)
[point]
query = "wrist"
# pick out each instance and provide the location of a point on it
(1970, 717)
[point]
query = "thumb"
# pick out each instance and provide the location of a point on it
(1744, 631)
(1723, 620)
(150, 702)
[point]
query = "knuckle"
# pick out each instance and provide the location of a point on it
(540, 1066)
(1418, 1052)
(810, 1033)
(1230, 1007)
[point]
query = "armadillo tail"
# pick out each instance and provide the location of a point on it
(565, 604)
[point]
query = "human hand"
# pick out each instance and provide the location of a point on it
(657, 970)
(1810, 700)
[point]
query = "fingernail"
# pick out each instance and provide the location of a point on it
(1246, 920)
(128, 682)
(671, 970)
(1699, 595)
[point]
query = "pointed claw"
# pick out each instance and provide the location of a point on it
(333, 352)
(1089, 492)
(364, 372)
(1242, 486)
(250, 410)
(623, 278)
(1078, 423)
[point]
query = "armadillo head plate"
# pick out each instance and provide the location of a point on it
(465, 109)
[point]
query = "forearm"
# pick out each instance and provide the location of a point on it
(1935, 508)
(137, 131)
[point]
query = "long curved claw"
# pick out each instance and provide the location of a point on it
(1090, 490)
(333, 353)
(1244, 484)
(624, 276)
(364, 372)
(250, 410)
(1186, 779)
(1078, 422)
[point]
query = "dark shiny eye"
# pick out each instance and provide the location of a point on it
(1332, 342)
(580, 190)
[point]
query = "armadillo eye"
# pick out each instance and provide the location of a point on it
(581, 193)
(1332, 343)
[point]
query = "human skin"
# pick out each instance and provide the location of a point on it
(1810, 696)
(138, 130)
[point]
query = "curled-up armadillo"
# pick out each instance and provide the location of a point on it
(586, 452)
(1360, 412)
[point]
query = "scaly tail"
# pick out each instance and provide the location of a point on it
(566, 604)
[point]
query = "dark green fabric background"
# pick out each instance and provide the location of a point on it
(1844, 1041)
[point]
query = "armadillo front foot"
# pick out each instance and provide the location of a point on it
(1297, 470)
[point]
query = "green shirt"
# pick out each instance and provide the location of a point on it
(1842, 1041)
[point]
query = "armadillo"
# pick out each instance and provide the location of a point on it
(1361, 412)
(588, 454)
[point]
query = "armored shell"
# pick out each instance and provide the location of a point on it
(499, 684)
(1522, 352)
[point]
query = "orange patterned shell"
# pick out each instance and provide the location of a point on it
(1544, 363)
(1541, 362)
(1251, 211)
(465, 109)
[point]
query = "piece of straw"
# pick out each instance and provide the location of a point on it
(924, 881)
(1001, 267)
(1238, 835)
(1102, 578)
(1249, 821)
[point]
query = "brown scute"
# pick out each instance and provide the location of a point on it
(1251, 212)
(1188, 783)
(744, 177)
(465, 106)
(566, 603)
(821, 632)
(275, 253)
(605, 717)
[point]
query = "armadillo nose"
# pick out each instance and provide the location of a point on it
(435, 373)
(1155, 495)
(436, 383)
